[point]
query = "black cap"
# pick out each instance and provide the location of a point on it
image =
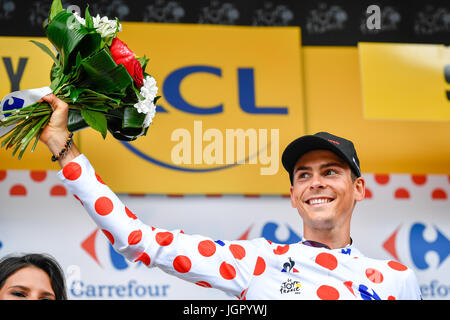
(320, 141)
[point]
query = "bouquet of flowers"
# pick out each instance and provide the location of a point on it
(101, 79)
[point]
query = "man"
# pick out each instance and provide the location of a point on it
(326, 183)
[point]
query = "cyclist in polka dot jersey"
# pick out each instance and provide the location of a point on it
(326, 183)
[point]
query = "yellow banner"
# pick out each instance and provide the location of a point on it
(231, 101)
(405, 81)
(334, 103)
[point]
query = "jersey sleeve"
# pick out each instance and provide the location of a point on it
(224, 265)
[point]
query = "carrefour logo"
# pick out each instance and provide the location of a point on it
(413, 237)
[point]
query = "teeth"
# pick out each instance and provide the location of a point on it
(319, 201)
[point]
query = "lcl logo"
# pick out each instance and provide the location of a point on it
(245, 84)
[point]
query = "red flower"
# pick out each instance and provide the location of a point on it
(123, 55)
(138, 74)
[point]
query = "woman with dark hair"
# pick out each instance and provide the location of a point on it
(31, 277)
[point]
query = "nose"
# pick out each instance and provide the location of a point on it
(317, 182)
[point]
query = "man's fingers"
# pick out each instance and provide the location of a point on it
(55, 102)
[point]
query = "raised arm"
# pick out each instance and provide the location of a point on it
(225, 265)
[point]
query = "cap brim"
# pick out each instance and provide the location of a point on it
(302, 145)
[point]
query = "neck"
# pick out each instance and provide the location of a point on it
(329, 237)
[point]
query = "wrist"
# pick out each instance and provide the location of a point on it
(57, 142)
(69, 156)
(62, 147)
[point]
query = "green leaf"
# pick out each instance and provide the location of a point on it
(96, 120)
(132, 118)
(104, 75)
(143, 61)
(55, 9)
(88, 19)
(47, 50)
(70, 37)
(75, 121)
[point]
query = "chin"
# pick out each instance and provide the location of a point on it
(319, 220)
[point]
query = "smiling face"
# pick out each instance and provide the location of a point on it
(28, 283)
(324, 194)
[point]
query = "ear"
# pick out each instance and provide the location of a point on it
(360, 188)
(291, 189)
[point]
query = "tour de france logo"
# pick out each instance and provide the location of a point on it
(290, 286)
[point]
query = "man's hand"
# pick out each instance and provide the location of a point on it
(55, 134)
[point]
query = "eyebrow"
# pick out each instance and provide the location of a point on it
(45, 293)
(20, 287)
(325, 165)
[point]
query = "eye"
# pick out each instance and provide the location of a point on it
(19, 294)
(45, 298)
(330, 172)
(303, 175)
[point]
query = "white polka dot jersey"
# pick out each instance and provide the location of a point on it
(246, 269)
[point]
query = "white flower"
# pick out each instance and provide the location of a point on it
(107, 28)
(79, 19)
(146, 106)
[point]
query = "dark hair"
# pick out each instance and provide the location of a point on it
(10, 264)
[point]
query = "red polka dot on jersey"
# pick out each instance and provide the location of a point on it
(134, 237)
(58, 191)
(99, 179)
(206, 248)
(2, 175)
(164, 238)
(419, 179)
(103, 206)
(260, 267)
(38, 176)
(391, 298)
(374, 275)
(237, 251)
(109, 236)
(401, 193)
(325, 292)
(144, 258)
(227, 271)
(130, 214)
(203, 284)
(327, 260)
(182, 264)
(18, 190)
(438, 194)
(382, 178)
(281, 249)
(397, 265)
(72, 171)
